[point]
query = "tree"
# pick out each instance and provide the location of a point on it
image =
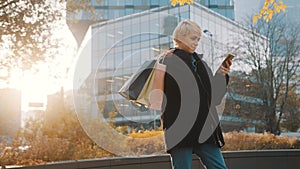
(74, 6)
(29, 31)
(291, 117)
(244, 102)
(275, 61)
(26, 32)
(270, 8)
(57, 138)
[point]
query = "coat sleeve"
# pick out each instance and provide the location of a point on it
(218, 85)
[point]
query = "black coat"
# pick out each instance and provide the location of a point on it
(191, 95)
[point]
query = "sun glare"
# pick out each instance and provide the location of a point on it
(34, 86)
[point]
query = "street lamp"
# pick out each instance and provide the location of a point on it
(207, 32)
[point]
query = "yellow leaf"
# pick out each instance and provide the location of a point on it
(173, 2)
(255, 18)
(275, 5)
(283, 7)
(264, 8)
(270, 11)
(280, 2)
(261, 11)
(270, 15)
(266, 3)
(265, 17)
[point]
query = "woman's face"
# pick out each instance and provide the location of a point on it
(188, 42)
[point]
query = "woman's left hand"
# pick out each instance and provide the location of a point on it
(225, 67)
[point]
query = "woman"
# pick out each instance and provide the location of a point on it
(189, 118)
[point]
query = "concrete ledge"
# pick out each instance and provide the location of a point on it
(263, 159)
(257, 159)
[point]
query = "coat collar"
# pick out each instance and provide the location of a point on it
(199, 55)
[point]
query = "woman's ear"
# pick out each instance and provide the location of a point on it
(176, 42)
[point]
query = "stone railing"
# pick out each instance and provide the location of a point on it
(261, 159)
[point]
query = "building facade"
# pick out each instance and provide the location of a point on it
(10, 113)
(111, 9)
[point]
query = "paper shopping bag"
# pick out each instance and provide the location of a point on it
(153, 91)
(134, 85)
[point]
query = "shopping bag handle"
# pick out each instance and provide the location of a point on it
(165, 54)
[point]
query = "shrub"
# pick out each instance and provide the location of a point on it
(255, 141)
(75, 145)
(64, 139)
(146, 142)
(234, 141)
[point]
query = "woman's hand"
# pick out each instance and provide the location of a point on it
(223, 70)
(225, 67)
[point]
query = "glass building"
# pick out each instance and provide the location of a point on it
(112, 50)
(111, 9)
(223, 7)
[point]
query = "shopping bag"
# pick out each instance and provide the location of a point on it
(152, 93)
(134, 85)
(146, 86)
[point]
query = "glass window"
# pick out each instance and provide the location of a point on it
(128, 11)
(155, 2)
(137, 2)
(129, 2)
(222, 2)
(120, 2)
(213, 2)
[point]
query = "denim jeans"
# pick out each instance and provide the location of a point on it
(209, 154)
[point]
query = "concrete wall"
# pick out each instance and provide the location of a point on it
(265, 159)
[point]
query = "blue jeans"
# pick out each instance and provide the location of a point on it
(209, 154)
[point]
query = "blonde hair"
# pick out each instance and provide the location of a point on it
(185, 27)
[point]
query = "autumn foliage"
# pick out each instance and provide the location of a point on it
(65, 140)
(41, 142)
(270, 8)
(258, 141)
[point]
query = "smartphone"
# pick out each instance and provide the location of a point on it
(229, 56)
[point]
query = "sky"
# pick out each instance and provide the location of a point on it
(246, 8)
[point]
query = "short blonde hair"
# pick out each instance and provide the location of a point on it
(185, 27)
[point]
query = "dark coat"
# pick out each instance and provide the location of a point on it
(191, 95)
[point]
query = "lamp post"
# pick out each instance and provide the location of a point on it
(211, 47)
